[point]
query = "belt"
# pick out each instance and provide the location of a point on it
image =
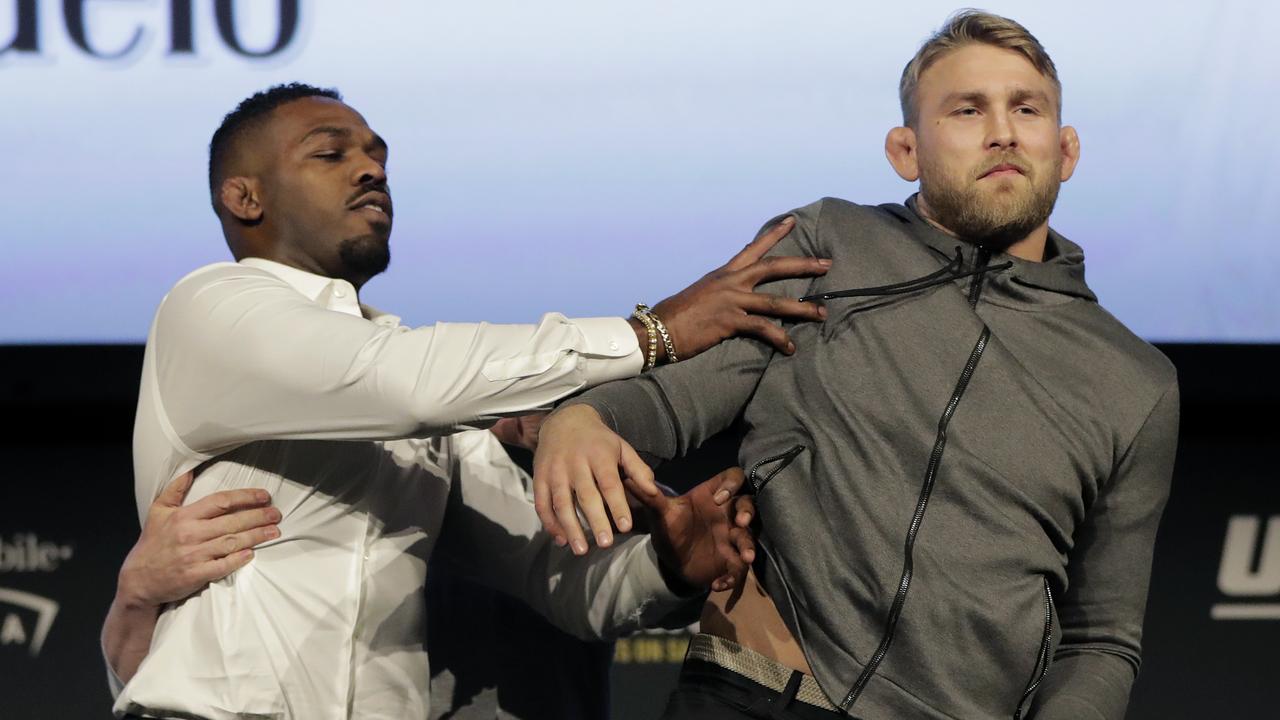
(757, 668)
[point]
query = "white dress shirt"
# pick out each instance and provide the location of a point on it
(262, 375)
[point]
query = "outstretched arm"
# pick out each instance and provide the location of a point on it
(272, 364)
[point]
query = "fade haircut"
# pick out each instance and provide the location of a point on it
(967, 27)
(250, 114)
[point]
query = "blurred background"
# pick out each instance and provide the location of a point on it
(583, 156)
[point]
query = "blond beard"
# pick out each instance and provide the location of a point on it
(992, 218)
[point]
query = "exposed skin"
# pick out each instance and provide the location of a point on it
(979, 107)
(292, 196)
(701, 538)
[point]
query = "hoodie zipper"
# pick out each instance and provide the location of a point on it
(930, 476)
(926, 490)
(1042, 657)
(786, 458)
(975, 285)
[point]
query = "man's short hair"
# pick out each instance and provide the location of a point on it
(250, 113)
(967, 27)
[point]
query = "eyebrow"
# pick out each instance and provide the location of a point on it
(341, 133)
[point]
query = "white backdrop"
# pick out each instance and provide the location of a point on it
(580, 156)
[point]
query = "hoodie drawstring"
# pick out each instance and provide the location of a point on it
(948, 273)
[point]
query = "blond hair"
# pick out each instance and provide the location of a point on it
(967, 27)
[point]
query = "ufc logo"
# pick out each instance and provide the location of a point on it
(1250, 568)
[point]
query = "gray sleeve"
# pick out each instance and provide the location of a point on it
(492, 533)
(1109, 570)
(675, 408)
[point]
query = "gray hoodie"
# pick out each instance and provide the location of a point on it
(959, 474)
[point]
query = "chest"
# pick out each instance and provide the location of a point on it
(884, 381)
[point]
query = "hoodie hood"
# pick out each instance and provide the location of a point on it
(1057, 279)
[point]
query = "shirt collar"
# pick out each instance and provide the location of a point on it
(333, 293)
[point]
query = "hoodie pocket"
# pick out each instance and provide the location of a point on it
(1044, 657)
(765, 470)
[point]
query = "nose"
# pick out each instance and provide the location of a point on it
(1000, 133)
(369, 172)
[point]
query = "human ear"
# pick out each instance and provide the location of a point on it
(239, 195)
(900, 148)
(1069, 144)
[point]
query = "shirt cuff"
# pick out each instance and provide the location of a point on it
(609, 350)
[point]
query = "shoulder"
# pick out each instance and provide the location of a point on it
(857, 224)
(831, 221)
(215, 283)
(1130, 379)
(217, 298)
(218, 273)
(1141, 363)
(837, 212)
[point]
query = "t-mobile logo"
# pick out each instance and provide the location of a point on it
(28, 553)
(1250, 569)
(25, 619)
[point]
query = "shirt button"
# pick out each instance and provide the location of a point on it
(338, 292)
(613, 345)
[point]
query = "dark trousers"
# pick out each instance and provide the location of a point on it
(710, 692)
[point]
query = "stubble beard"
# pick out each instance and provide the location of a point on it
(364, 256)
(993, 217)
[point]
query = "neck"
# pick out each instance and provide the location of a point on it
(277, 252)
(1029, 248)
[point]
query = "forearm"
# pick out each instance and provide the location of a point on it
(676, 408)
(636, 411)
(1085, 684)
(126, 637)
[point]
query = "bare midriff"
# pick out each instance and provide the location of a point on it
(746, 615)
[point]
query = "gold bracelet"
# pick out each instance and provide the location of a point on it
(645, 317)
(667, 342)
